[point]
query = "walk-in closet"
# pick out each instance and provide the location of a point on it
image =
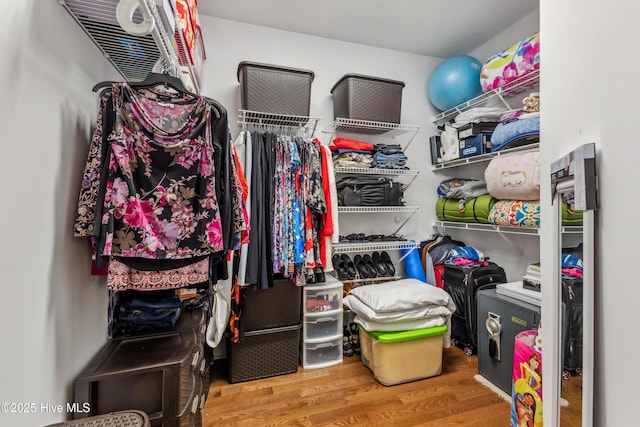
(250, 213)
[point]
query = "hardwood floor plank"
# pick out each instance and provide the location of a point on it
(348, 395)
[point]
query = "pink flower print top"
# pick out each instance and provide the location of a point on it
(160, 200)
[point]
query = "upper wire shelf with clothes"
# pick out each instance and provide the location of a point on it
(492, 98)
(485, 157)
(376, 171)
(384, 129)
(133, 56)
(257, 121)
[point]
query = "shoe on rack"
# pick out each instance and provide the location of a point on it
(340, 267)
(388, 263)
(350, 266)
(362, 268)
(355, 337)
(381, 267)
(347, 347)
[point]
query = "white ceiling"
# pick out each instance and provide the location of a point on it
(440, 28)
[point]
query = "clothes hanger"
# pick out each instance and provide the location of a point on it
(152, 79)
(155, 79)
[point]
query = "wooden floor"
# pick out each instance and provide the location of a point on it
(347, 394)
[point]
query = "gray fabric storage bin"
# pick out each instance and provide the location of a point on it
(274, 89)
(367, 98)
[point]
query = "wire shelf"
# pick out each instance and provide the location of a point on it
(492, 98)
(485, 157)
(354, 126)
(257, 121)
(534, 231)
(377, 209)
(373, 171)
(133, 56)
(373, 280)
(373, 246)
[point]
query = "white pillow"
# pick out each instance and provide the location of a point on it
(405, 325)
(403, 294)
(426, 311)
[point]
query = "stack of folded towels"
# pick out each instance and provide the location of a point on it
(401, 305)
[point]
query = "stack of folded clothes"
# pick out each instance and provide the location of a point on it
(389, 156)
(351, 153)
(148, 311)
(401, 305)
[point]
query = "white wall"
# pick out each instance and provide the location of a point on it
(53, 313)
(590, 94)
(228, 43)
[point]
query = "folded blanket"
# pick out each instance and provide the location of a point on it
(515, 213)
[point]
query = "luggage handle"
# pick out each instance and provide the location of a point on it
(489, 278)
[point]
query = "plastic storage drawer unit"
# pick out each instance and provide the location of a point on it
(318, 327)
(399, 357)
(367, 98)
(274, 89)
(322, 324)
(322, 354)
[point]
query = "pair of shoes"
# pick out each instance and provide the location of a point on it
(344, 266)
(354, 339)
(347, 348)
(383, 263)
(365, 266)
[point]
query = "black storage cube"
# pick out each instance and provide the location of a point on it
(367, 98)
(274, 89)
(265, 353)
(272, 307)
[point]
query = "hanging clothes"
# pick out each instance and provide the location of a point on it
(162, 197)
(152, 176)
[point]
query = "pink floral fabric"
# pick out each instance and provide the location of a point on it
(520, 59)
(160, 199)
(121, 277)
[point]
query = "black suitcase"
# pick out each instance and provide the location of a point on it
(462, 283)
(572, 298)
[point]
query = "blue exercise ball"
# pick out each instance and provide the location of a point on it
(454, 81)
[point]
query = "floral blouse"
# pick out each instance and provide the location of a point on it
(149, 183)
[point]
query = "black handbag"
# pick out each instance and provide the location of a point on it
(369, 191)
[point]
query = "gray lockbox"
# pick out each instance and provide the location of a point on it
(500, 319)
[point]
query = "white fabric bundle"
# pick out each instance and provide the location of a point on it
(401, 305)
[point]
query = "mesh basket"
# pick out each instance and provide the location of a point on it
(274, 89)
(264, 354)
(367, 98)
